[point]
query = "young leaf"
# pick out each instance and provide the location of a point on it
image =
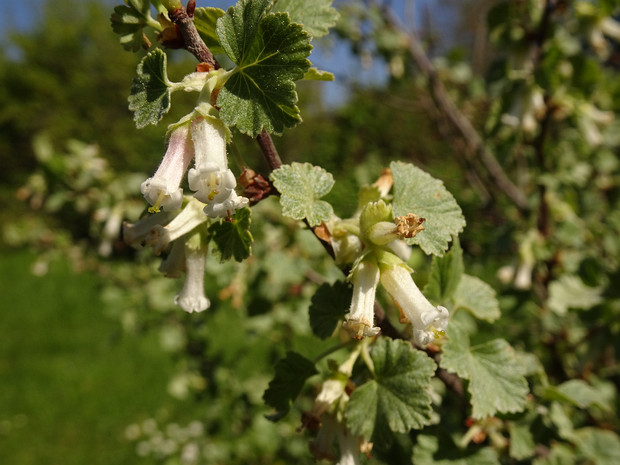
(477, 297)
(496, 381)
(445, 275)
(329, 304)
(427, 446)
(205, 20)
(269, 53)
(397, 396)
(291, 373)
(128, 21)
(233, 238)
(316, 16)
(418, 192)
(150, 91)
(301, 185)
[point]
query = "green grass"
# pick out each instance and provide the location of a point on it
(70, 380)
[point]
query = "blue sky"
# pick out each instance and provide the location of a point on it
(336, 58)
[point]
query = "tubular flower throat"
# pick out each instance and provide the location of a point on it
(163, 190)
(360, 319)
(428, 321)
(210, 179)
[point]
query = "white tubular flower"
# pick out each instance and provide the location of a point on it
(162, 190)
(226, 207)
(192, 297)
(428, 321)
(360, 319)
(349, 448)
(212, 181)
(189, 218)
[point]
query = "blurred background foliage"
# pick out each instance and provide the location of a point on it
(96, 362)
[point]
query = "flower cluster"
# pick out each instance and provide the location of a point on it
(373, 240)
(203, 139)
(184, 235)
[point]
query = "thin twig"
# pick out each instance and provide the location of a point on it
(465, 128)
(193, 42)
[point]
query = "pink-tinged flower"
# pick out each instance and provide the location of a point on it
(163, 190)
(360, 319)
(210, 179)
(427, 320)
(192, 297)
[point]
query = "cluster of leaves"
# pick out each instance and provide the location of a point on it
(470, 398)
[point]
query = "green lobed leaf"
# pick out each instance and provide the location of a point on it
(522, 444)
(205, 20)
(496, 377)
(315, 74)
(233, 238)
(570, 292)
(328, 307)
(418, 192)
(429, 451)
(600, 447)
(316, 16)
(578, 393)
(398, 396)
(128, 21)
(291, 374)
(151, 89)
(269, 53)
(477, 297)
(445, 275)
(301, 185)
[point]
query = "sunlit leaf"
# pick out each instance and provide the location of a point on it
(301, 185)
(398, 396)
(316, 16)
(496, 377)
(418, 192)
(270, 54)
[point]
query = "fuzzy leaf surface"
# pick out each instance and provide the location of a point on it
(316, 16)
(418, 192)
(301, 186)
(398, 396)
(477, 297)
(233, 238)
(150, 90)
(270, 53)
(496, 377)
(291, 374)
(328, 307)
(445, 275)
(205, 19)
